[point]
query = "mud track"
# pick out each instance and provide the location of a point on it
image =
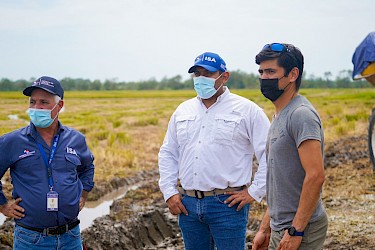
(141, 219)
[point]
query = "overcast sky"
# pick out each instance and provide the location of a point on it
(131, 40)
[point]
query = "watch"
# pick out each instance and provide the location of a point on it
(293, 232)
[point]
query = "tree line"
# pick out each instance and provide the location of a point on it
(237, 80)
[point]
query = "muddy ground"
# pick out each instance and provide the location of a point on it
(141, 219)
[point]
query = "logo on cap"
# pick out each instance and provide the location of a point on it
(207, 58)
(44, 82)
(209, 61)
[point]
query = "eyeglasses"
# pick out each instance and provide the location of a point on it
(277, 47)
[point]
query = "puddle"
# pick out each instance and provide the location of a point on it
(101, 207)
(96, 209)
(13, 117)
(369, 197)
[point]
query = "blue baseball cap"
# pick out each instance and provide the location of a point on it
(210, 61)
(46, 83)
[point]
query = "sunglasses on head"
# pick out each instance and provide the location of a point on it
(277, 47)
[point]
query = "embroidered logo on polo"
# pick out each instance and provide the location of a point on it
(26, 153)
(71, 151)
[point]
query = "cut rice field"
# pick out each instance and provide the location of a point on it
(124, 129)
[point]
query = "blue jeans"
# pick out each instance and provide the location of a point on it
(212, 223)
(28, 239)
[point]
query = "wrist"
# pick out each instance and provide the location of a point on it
(265, 230)
(85, 194)
(292, 231)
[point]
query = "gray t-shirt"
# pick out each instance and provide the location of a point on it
(297, 122)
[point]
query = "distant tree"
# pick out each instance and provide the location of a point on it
(327, 75)
(344, 79)
(238, 80)
(6, 85)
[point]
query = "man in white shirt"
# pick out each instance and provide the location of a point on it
(209, 148)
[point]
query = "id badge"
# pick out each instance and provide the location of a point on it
(52, 201)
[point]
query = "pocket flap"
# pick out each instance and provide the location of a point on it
(228, 118)
(73, 159)
(180, 118)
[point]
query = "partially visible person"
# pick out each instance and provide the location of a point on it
(209, 148)
(52, 173)
(295, 217)
(364, 59)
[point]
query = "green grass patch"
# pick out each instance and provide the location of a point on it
(124, 129)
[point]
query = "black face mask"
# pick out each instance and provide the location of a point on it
(270, 88)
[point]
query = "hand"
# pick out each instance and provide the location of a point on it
(13, 210)
(261, 241)
(82, 202)
(83, 199)
(241, 197)
(175, 205)
(289, 242)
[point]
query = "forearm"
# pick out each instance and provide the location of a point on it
(168, 171)
(312, 162)
(257, 189)
(259, 132)
(168, 186)
(310, 196)
(265, 225)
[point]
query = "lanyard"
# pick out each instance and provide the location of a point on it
(48, 163)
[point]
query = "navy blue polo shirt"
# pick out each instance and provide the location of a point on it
(72, 171)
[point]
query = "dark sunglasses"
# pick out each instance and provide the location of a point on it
(277, 47)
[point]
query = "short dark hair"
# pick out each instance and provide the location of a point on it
(288, 58)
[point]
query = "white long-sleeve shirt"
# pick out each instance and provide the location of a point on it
(214, 148)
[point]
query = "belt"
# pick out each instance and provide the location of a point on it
(201, 194)
(53, 230)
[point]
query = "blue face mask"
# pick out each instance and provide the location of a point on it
(41, 118)
(205, 86)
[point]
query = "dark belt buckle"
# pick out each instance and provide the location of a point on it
(57, 230)
(51, 231)
(199, 194)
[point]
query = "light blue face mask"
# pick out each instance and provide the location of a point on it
(205, 86)
(41, 118)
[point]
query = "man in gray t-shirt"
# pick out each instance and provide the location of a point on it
(295, 218)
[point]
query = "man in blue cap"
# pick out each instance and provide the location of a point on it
(52, 172)
(209, 148)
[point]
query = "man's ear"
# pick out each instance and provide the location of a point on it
(61, 104)
(225, 76)
(293, 74)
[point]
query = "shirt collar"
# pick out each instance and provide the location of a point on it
(31, 129)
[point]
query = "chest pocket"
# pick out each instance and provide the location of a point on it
(184, 128)
(30, 166)
(72, 161)
(225, 127)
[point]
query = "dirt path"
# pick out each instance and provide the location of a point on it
(141, 219)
